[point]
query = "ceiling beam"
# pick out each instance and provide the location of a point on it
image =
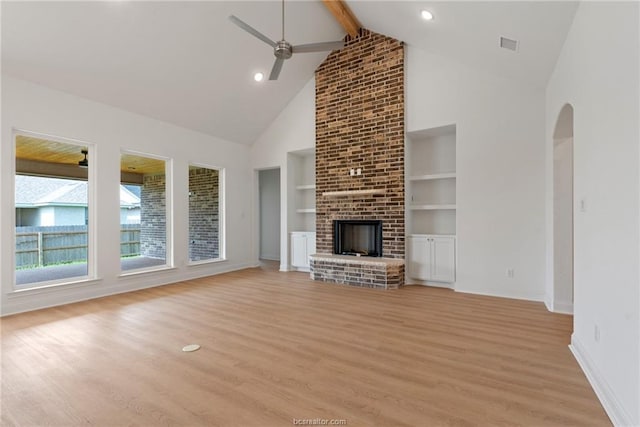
(344, 16)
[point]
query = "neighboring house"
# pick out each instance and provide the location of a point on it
(42, 201)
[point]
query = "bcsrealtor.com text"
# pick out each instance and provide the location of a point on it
(319, 422)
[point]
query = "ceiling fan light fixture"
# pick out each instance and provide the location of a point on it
(84, 163)
(426, 15)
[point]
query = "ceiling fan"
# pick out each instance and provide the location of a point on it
(283, 49)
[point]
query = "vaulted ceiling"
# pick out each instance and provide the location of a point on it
(187, 64)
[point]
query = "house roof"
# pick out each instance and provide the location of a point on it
(35, 191)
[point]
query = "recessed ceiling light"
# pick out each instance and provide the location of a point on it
(258, 77)
(426, 15)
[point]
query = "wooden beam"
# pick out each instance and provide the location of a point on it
(344, 16)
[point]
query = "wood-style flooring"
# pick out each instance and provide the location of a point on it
(278, 348)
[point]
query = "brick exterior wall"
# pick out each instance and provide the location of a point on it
(204, 214)
(153, 217)
(360, 124)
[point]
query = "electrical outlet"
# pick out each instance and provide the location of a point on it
(596, 333)
(510, 273)
(359, 171)
(583, 205)
(352, 172)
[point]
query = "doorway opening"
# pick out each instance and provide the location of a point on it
(563, 213)
(269, 214)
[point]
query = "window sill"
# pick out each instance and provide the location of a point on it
(146, 270)
(48, 287)
(206, 262)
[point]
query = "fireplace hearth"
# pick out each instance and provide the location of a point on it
(357, 237)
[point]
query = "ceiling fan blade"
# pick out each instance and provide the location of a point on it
(275, 71)
(249, 29)
(318, 47)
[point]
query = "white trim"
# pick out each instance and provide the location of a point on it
(563, 307)
(611, 405)
(548, 302)
(222, 241)
(143, 270)
(520, 296)
(275, 257)
(92, 251)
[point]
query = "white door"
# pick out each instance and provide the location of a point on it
(443, 259)
(419, 258)
(299, 256)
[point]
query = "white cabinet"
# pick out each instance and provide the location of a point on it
(432, 258)
(303, 244)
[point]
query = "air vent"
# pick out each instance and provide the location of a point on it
(510, 44)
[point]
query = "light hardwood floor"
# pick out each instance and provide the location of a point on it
(278, 347)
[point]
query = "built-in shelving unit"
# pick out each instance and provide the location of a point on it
(431, 182)
(431, 201)
(302, 191)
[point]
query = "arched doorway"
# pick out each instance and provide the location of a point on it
(563, 211)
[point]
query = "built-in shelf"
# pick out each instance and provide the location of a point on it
(432, 207)
(446, 175)
(347, 193)
(301, 180)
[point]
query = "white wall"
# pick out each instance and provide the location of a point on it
(270, 214)
(563, 225)
(500, 170)
(598, 73)
(500, 166)
(34, 108)
(293, 130)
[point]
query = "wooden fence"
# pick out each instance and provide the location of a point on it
(41, 246)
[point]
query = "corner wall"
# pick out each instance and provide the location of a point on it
(293, 130)
(598, 73)
(31, 107)
(499, 170)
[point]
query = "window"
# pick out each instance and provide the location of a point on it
(52, 211)
(205, 224)
(144, 228)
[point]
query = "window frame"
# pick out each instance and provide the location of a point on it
(92, 271)
(222, 225)
(169, 240)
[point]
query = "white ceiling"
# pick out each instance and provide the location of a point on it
(186, 63)
(469, 32)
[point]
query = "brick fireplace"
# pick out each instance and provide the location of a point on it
(360, 125)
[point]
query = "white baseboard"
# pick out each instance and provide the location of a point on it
(548, 302)
(611, 405)
(284, 268)
(275, 257)
(526, 297)
(563, 307)
(53, 297)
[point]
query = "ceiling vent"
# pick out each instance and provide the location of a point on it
(509, 44)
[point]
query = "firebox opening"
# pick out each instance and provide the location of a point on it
(357, 237)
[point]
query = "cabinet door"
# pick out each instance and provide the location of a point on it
(299, 254)
(311, 246)
(419, 258)
(443, 256)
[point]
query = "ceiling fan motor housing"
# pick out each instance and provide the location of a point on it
(283, 50)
